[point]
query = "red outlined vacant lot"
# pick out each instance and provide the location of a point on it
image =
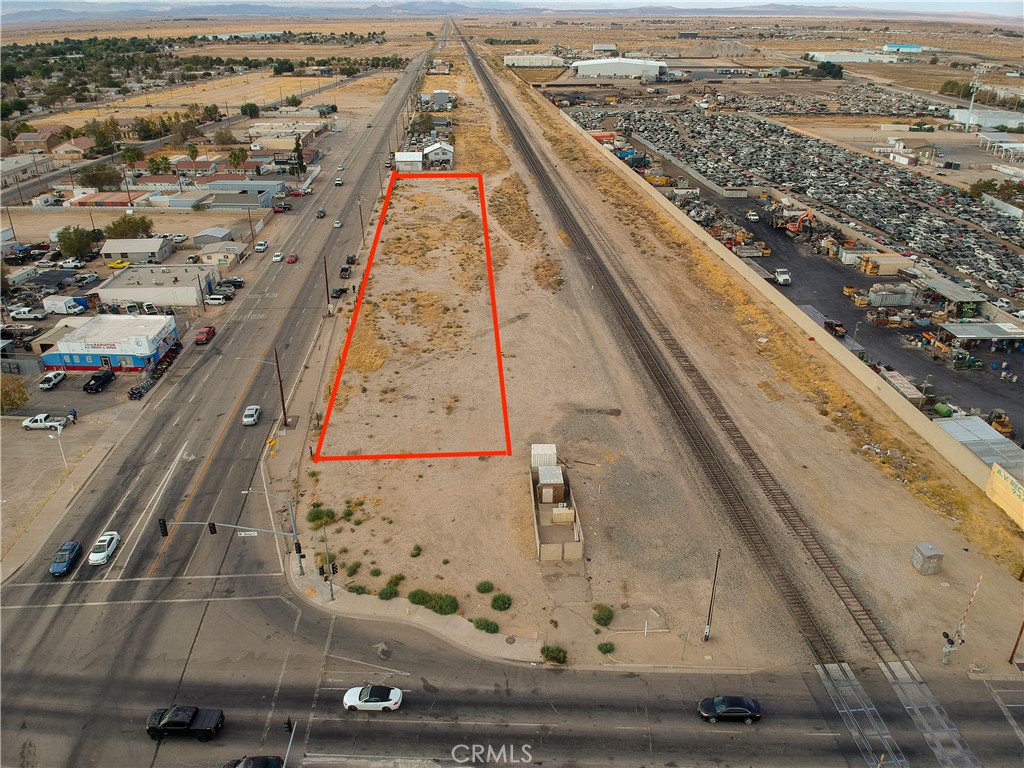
(420, 374)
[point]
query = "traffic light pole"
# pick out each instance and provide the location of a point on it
(327, 563)
(290, 727)
(294, 534)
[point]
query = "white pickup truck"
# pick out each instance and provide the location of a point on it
(44, 421)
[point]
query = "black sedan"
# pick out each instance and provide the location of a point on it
(729, 708)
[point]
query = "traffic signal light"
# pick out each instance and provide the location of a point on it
(213, 528)
(321, 569)
(334, 567)
(298, 547)
(289, 725)
(163, 526)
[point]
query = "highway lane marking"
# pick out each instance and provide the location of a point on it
(368, 664)
(58, 584)
(161, 487)
(161, 601)
(1006, 711)
(280, 677)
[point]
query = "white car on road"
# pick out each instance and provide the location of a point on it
(278, 256)
(376, 698)
(104, 548)
(251, 415)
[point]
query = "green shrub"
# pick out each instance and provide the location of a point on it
(353, 569)
(417, 550)
(375, 572)
(443, 604)
(434, 601)
(484, 587)
(603, 614)
(501, 602)
(388, 592)
(319, 516)
(486, 625)
(397, 579)
(554, 653)
(357, 589)
(606, 647)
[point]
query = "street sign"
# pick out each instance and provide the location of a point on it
(247, 533)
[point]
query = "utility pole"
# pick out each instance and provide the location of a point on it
(328, 565)
(362, 226)
(327, 285)
(280, 385)
(711, 606)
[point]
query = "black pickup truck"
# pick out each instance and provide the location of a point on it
(202, 724)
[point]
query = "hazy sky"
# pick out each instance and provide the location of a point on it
(1012, 8)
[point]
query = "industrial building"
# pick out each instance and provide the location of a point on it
(533, 60)
(151, 250)
(182, 285)
(122, 342)
(858, 57)
(409, 162)
(987, 119)
(213, 235)
(634, 68)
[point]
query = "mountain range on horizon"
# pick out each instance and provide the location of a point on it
(37, 11)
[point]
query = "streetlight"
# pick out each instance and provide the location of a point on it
(291, 513)
(57, 438)
(856, 328)
(328, 570)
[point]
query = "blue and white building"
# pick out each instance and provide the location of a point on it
(122, 342)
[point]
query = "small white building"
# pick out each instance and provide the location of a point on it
(634, 68)
(148, 250)
(605, 48)
(213, 235)
(222, 254)
(440, 154)
(987, 119)
(409, 162)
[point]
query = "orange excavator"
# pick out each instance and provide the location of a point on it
(796, 226)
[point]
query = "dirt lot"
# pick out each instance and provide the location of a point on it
(651, 524)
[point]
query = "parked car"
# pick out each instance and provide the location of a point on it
(24, 313)
(180, 238)
(205, 334)
(72, 264)
(227, 290)
(51, 380)
(251, 415)
(337, 293)
(729, 708)
(375, 698)
(345, 272)
(65, 558)
(86, 278)
(261, 246)
(836, 328)
(278, 209)
(256, 762)
(278, 256)
(292, 258)
(119, 264)
(338, 182)
(104, 547)
(234, 280)
(216, 299)
(44, 421)
(296, 193)
(350, 259)
(99, 381)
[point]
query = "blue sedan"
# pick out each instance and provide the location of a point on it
(65, 559)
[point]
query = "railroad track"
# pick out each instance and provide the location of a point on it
(649, 335)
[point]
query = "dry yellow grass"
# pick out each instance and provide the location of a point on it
(547, 273)
(427, 310)
(366, 353)
(510, 206)
(540, 74)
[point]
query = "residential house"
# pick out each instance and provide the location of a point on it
(195, 167)
(72, 150)
(42, 142)
(440, 154)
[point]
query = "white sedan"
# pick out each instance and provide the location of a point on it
(278, 256)
(251, 415)
(104, 548)
(377, 698)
